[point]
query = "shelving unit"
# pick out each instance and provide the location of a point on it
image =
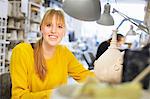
(16, 26)
(33, 21)
(23, 26)
(16, 21)
(3, 28)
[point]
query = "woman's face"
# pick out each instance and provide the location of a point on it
(53, 32)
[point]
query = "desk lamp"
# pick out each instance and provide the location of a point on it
(89, 10)
(106, 18)
(86, 10)
(136, 22)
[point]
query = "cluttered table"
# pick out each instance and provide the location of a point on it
(145, 94)
(95, 90)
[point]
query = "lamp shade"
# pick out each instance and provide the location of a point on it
(106, 18)
(131, 31)
(86, 10)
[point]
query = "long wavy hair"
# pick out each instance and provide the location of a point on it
(39, 60)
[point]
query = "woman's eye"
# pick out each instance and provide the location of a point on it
(48, 25)
(60, 26)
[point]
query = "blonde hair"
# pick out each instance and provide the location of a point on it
(39, 60)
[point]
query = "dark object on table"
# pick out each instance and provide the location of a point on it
(135, 61)
(102, 48)
(89, 58)
(5, 86)
(71, 36)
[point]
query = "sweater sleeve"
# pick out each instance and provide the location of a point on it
(76, 69)
(20, 77)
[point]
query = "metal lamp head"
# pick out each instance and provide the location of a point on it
(106, 18)
(131, 31)
(86, 10)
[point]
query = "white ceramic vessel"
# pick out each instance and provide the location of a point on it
(108, 67)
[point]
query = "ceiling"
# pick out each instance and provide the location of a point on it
(125, 1)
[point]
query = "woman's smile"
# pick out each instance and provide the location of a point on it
(53, 37)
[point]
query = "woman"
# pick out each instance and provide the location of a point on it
(36, 71)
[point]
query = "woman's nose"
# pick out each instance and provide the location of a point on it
(53, 29)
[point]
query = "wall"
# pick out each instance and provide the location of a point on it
(104, 32)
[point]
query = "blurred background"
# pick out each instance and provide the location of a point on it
(20, 20)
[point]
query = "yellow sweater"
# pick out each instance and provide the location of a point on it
(26, 83)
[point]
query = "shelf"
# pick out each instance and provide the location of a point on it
(18, 18)
(15, 0)
(35, 5)
(1, 34)
(2, 54)
(34, 21)
(35, 31)
(4, 42)
(35, 9)
(13, 28)
(2, 27)
(15, 41)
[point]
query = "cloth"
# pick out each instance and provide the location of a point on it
(135, 61)
(102, 48)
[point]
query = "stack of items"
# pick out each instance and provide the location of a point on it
(92, 89)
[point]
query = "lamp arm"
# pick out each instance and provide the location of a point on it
(140, 26)
(121, 23)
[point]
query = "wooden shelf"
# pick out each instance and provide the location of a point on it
(34, 21)
(15, 40)
(36, 31)
(35, 5)
(18, 18)
(14, 28)
(35, 9)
